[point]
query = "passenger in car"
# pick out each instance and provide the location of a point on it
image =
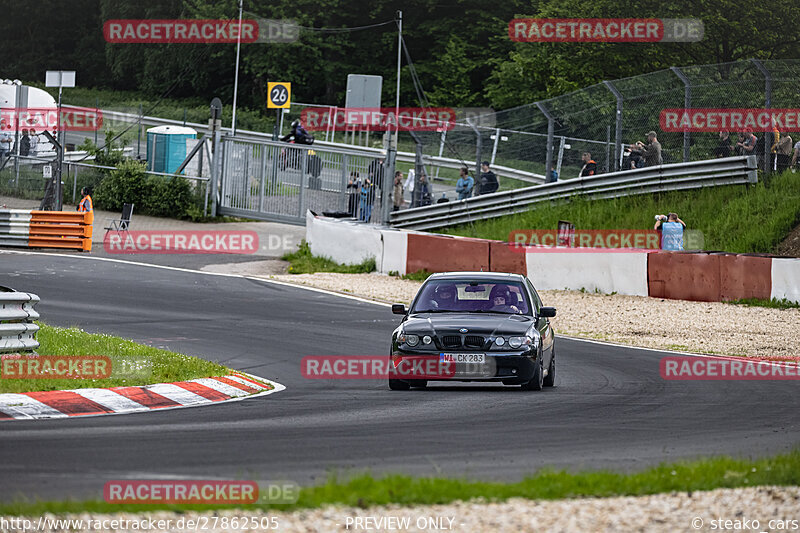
(500, 298)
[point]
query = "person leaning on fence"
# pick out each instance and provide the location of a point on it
(782, 150)
(353, 190)
(367, 198)
(589, 166)
(85, 205)
(552, 176)
(424, 190)
(488, 181)
(464, 184)
(671, 228)
(651, 153)
(747, 143)
(724, 148)
(397, 191)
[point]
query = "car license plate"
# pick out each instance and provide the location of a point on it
(478, 358)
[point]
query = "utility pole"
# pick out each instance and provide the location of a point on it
(236, 76)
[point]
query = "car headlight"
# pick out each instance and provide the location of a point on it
(499, 341)
(426, 339)
(411, 340)
(519, 342)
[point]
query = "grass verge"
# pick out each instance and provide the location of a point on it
(366, 490)
(774, 303)
(303, 262)
(742, 219)
(131, 363)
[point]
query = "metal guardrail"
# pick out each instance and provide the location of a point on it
(255, 136)
(17, 330)
(673, 177)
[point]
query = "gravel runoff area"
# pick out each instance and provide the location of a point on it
(680, 325)
(773, 508)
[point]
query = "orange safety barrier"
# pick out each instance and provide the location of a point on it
(61, 229)
(708, 277)
(502, 258)
(438, 253)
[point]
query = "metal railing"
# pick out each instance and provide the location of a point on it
(674, 177)
(17, 330)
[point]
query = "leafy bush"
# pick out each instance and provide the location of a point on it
(152, 195)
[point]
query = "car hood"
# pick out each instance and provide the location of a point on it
(476, 323)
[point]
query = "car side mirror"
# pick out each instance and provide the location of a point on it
(399, 309)
(547, 312)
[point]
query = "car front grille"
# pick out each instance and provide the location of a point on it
(473, 341)
(451, 341)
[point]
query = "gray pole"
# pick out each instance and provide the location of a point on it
(388, 181)
(236, 76)
(618, 140)
(478, 149)
(16, 134)
(767, 105)
(550, 132)
(399, 56)
(63, 137)
(687, 104)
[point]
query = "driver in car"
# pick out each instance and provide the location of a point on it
(501, 297)
(444, 297)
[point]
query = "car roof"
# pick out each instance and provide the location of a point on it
(478, 276)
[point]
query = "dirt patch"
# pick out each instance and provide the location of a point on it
(790, 247)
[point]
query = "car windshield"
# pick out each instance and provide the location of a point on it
(441, 296)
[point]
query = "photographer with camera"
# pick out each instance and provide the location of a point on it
(671, 228)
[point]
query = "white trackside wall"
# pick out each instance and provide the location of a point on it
(620, 272)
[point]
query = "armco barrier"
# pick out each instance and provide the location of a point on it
(46, 229)
(17, 313)
(703, 276)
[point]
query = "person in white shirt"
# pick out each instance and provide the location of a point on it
(34, 143)
(409, 185)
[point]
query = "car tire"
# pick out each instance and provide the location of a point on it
(550, 378)
(398, 384)
(418, 383)
(537, 381)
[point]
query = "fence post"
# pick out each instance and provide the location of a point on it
(551, 126)
(388, 181)
(496, 142)
(767, 105)
(687, 104)
(478, 149)
(618, 135)
(216, 171)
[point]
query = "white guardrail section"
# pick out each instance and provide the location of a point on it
(15, 225)
(673, 177)
(17, 330)
(404, 157)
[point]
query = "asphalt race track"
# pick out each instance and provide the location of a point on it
(610, 408)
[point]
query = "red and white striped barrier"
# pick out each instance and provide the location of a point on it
(702, 276)
(119, 400)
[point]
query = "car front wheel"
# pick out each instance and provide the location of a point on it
(398, 384)
(537, 381)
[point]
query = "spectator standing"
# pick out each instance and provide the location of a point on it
(724, 148)
(795, 155)
(424, 190)
(464, 184)
(651, 153)
(488, 180)
(589, 166)
(6, 139)
(367, 198)
(783, 152)
(34, 143)
(397, 191)
(671, 228)
(747, 143)
(353, 190)
(409, 185)
(85, 206)
(25, 144)
(375, 172)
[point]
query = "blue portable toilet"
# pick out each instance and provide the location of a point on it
(166, 147)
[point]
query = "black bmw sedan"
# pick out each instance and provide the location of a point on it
(474, 326)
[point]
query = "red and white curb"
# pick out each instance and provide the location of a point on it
(119, 400)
